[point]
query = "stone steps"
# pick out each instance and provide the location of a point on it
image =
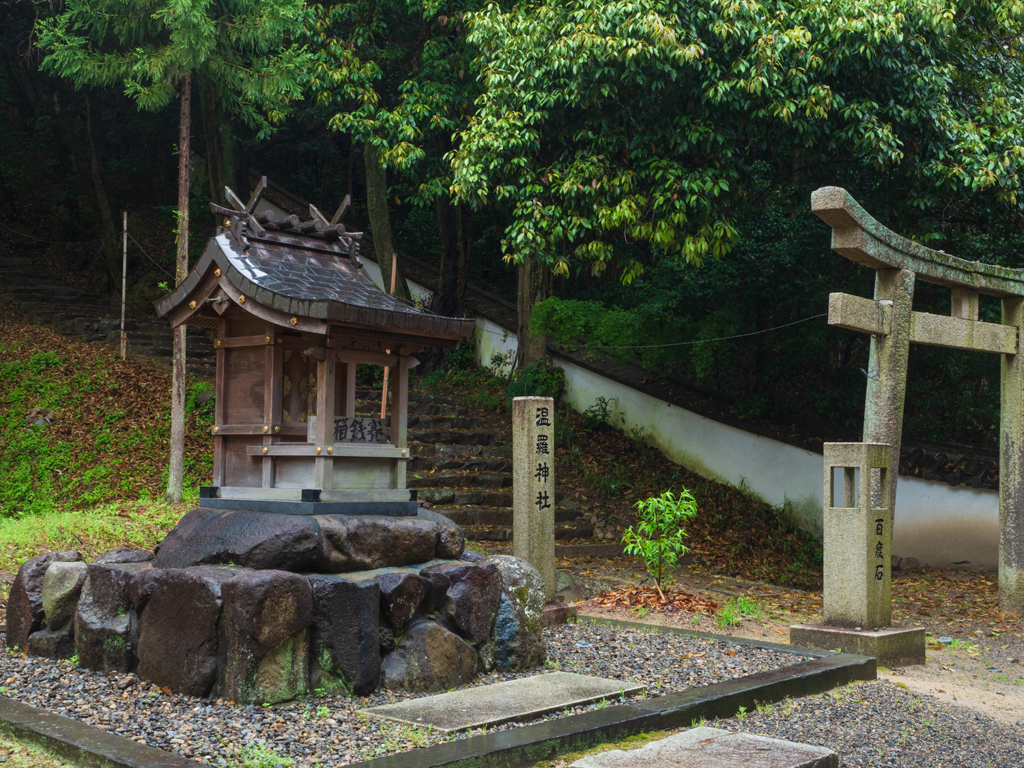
(443, 422)
(504, 533)
(452, 436)
(501, 516)
(485, 480)
(464, 498)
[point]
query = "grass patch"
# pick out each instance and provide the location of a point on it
(111, 431)
(18, 755)
(101, 529)
(735, 611)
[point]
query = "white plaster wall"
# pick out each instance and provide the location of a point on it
(777, 473)
(940, 525)
(936, 524)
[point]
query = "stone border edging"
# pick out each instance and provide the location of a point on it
(86, 745)
(81, 744)
(544, 741)
(669, 630)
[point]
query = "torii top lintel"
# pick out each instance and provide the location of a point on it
(859, 237)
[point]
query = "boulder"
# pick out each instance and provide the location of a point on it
(265, 615)
(53, 644)
(25, 601)
(518, 636)
(472, 599)
(259, 540)
(429, 659)
(306, 543)
(387, 638)
(125, 555)
(472, 557)
(451, 541)
(516, 645)
(345, 635)
(62, 586)
(366, 542)
(401, 595)
(103, 624)
(178, 639)
(439, 586)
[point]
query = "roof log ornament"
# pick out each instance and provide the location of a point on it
(294, 315)
(893, 326)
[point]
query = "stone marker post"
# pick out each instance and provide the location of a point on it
(857, 600)
(858, 536)
(533, 485)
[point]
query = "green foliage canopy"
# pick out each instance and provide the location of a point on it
(147, 46)
(603, 124)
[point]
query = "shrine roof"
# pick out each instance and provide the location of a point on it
(274, 269)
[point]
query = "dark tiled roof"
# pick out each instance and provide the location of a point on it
(310, 277)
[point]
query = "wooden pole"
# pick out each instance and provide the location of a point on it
(124, 282)
(384, 395)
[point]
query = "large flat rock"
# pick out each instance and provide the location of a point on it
(715, 748)
(307, 543)
(521, 699)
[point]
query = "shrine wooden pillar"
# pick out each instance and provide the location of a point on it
(326, 392)
(400, 415)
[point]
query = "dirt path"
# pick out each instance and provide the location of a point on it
(979, 664)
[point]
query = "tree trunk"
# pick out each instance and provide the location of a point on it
(380, 224)
(534, 278)
(176, 472)
(221, 155)
(98, 178)
(446, 296)
(91, 169)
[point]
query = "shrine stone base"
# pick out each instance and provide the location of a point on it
(891, 646)
(260, 608)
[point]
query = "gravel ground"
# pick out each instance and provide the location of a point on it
(882, 724)
(329, 731)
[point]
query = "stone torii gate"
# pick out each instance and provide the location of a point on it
(893, 326)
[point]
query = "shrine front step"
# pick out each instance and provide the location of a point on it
(484, 480)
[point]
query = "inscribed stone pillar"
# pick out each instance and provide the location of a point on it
(857, 568)
(533, 485)
(887, 375)
(1011, 468)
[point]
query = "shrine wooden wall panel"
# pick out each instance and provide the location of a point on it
(239, 468)
(293, 472)
(363, 473)
(244, 374)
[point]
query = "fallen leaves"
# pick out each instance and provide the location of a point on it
(647, 597)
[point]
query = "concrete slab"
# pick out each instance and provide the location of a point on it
(521, 699)
(715, 748)
(891, 646)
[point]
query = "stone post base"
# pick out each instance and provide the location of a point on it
(891, 646)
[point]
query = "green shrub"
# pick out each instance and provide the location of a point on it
(658, 538)
(536, 381)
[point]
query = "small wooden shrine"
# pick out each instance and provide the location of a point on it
(294, 316)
